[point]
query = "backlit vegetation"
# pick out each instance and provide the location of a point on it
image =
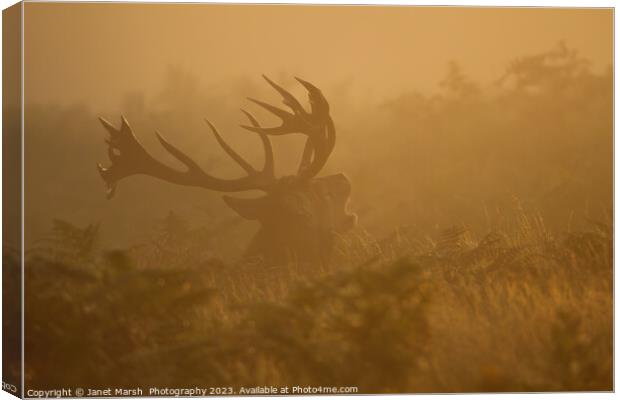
(482, 262)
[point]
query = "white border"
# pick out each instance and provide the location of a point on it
(477, 3)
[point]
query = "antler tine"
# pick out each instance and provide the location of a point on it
(317, 125)
(318, 103)
(114, 143)
(325, 140)
(128, 157)
(268, 167)
(288, 121)
(109, 127)
(178, 154)
(276, 110)
(320, 109)
(287, 97)
(229, 150)
(298, 121)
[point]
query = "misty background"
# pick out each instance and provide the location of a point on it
(444, 116)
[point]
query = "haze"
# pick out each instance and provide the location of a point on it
(96, 53)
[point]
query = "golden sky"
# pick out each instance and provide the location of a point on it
(96, 53)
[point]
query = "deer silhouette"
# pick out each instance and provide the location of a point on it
(299, 214)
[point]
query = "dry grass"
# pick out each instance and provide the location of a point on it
(515, 310)
(504, 300)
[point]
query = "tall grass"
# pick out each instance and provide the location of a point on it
(518, 309)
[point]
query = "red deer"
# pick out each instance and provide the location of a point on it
(299, 214)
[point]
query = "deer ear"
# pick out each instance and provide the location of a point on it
(249, 208)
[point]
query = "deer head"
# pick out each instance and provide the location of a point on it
(299, 214)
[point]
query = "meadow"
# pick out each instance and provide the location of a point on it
(487, 266)
(515, 310)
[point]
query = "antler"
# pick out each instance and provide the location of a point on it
(316, 124)
(129, 157)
